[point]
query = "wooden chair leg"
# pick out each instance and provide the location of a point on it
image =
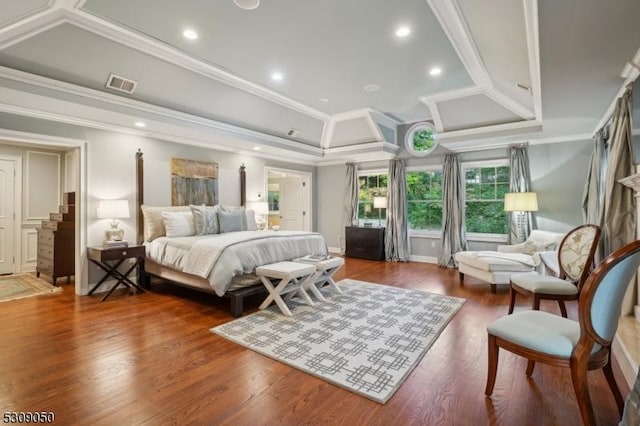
(608, 373)
(580, 387)
(493, 365)
(530, 366)
(535, 304)
(512, 302)
(461, 276)
(563, 308)
(493, 288)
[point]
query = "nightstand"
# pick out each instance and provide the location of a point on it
(110, 259)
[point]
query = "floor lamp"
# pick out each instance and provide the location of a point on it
(520, 203)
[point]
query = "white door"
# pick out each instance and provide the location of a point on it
(291, 204)
(7, 210)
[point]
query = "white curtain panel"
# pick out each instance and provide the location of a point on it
(453, 231)
(593, 195)
(396, 241)
(520, 223)
(350, 202)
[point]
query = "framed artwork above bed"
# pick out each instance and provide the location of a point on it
(193, 182)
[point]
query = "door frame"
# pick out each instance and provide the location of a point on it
(17, 207)
(80, 146)
(307, 178)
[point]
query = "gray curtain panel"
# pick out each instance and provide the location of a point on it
(350, 202)
(620, 204)
(453, 232)
(396, 243)
(593, 194)
(520, 223)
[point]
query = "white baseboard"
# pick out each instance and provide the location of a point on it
(335, 250)
(423, 259)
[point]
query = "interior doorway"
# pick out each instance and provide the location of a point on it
(289, 197)
(10, 183)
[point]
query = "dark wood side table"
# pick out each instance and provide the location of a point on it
(110, 259)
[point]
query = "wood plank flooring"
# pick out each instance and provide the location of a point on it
(150, 359)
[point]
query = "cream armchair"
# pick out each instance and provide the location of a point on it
(496, 267)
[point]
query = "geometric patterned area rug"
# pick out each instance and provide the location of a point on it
(19, 286)
(366, 340)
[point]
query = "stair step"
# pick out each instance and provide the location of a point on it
(69, 198)
(61, 217)
(55, 225)
(67, 208)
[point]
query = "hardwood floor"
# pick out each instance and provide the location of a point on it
(150, 359)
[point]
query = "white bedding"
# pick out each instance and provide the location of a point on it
(219, 257)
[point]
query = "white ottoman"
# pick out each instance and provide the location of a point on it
(494, 267)
(323, 276)
(288, 278)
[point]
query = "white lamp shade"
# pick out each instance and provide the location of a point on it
(380, 202)
(113, 209)
(259, 207)
(520, 202)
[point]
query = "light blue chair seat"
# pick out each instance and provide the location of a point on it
(540, 331)
(546, 284)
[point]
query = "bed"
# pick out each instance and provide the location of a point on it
(220, 263)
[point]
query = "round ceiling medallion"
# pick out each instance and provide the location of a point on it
(247, 4)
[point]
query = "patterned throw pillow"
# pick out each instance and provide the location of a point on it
(205, 219)
(179, 224)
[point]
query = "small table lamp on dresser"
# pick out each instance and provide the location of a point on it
(113, 209)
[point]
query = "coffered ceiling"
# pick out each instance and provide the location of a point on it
(510, 70)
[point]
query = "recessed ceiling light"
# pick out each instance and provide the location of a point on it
(190, 34)
(277, 76)
(247, 4)
(403, 31)
(256, 148)
(323, 100)
(372, 87)
(435, 71)
(140, 124)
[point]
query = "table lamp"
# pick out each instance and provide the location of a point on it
(519, 203)
(380, 203)
(261, 209)
(113, 209)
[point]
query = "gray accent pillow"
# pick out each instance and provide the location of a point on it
(238, 210)
(231, 221)
(205, 219)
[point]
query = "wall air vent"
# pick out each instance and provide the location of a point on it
(121, 84)
(292, 133)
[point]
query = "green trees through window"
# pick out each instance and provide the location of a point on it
(484, 199)
(424, 200)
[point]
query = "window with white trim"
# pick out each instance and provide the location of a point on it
(424, 200)
(485, 186)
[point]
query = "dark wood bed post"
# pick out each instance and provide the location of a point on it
(243, 186)
(139, 196)
(143, 279)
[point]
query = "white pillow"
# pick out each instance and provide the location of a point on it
(179, 224)
(153, 221)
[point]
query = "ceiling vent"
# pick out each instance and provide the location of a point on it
(292, 133)
(121, 84)
(524, 87)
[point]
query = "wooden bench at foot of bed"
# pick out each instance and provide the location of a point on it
(236, 297)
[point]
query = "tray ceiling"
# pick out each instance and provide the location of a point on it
(497, 57)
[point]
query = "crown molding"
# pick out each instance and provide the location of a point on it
(35, 138)
(68, 4)
(31, 25)
(533, 49)
(78, 114)
(487, 130)
(511, 104)
(171, 55)
(65, 14)
(454, 26)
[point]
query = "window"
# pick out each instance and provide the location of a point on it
(371, 185)
(424, 200)
(485, 187)
(421, 139)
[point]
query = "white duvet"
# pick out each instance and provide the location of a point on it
(219, 257)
